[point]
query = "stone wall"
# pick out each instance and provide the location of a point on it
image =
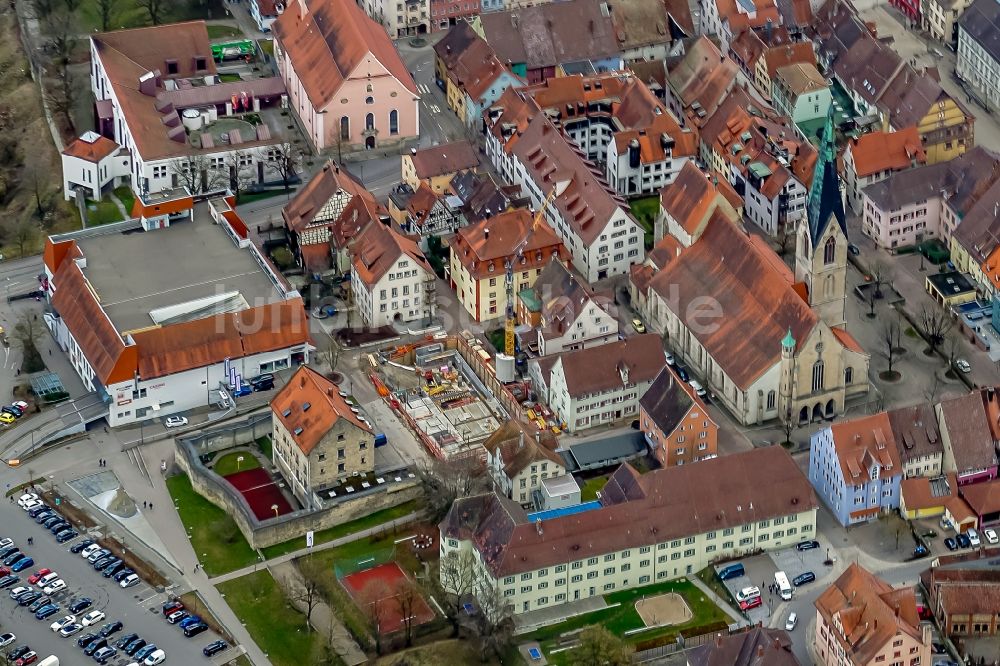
(258, 533)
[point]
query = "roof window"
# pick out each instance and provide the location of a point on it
(306, 406)
(287, 412)
(298, 431)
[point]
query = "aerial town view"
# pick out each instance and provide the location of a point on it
(500, 332)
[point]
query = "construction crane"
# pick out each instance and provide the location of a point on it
(509, 265)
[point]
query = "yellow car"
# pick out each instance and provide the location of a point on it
(638, 326)
(6, 418)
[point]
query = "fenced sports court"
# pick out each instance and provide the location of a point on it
(374, 583)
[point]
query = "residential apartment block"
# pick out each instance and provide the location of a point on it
(918, 440)
(479, 254)
(566, 312)
(390, 277)
(472, 75)
(158, 96)
(347, 85)
(855, 468)
(800, 92)
(519, 458)
(940, 19)
(599, 385)
(592, 220)
(317, 439)
(978, 61)
(863, 621)
(644, 529)
(437, 165)
(873, 157)
(677, 426)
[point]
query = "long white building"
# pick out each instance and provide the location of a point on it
(644, 529)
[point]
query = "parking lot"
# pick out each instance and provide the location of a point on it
(760, 570)
(138, 607)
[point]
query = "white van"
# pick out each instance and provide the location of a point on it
(51, 660)
(45, 580)
(784, 589)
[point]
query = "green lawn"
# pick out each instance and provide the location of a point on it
(624, 617)
(377, 518)
(219, 544)
(102, 212)
(590, 487)
(264, 444)
(125, 195)
(279, 629)
(645, 210)
(229, 77)
(267, 46)
(222, 31)
(130, 15)
(230, 463)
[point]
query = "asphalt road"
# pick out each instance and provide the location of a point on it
(137, 607)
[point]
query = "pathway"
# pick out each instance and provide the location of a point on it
(126, 214)
(323, 619)
(288, 557)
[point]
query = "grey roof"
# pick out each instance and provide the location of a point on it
(756, 647)
(981, 21)
(604, 451)
(551, 34)
(666, 402)
(915, 432)
(969, 432)
(951, 283)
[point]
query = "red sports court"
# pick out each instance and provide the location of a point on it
(260, 491)
(389, 617)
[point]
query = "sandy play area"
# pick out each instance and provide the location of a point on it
(663, 610)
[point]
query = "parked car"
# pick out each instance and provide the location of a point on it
(638, 326)
(39, 602)
(244, 389)
(13, 557)
(263, 385)
(25, 498)
(89, 550)
(93, 617)
(188, 621)
(990, 535)
(18, 652)
(121, 575)
(963, 541)
(973, 537)
(8, 580)
(105, 653)
(47, 611)
(80, 545)
(60, 623)
(176, 616)
(731, 571)
(113, 568)
(56, 586)
(172, 606)
(963, 365)
(70, 629)
(175, 421)
(792, 620)
(807, 545)
(27, 658)
(853, 249)
(193, 630)
(698, 388)
(98, 554)
(154, 658)
(671, 361)
(81, 605)
(6, 418)
(920, 550)
(748, 593)
(94, 645)
(753, 602)
(24, 563)
(85, 639)
(13, 411)
(28, 599)
(950, 544)
(129, 581)
(111, 628)
(7, 639)
(682, 373)
(67, 535)
(35, 577)
(803, 578)
(214, 648)
(145, 651)
(133, 647)
(125, 640)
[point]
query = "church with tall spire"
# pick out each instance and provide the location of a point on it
(821, 240)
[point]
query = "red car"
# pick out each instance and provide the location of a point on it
(753, 602)
(28, 658)
(34, 578)
(4, 571)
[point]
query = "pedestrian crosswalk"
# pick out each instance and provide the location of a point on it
(423, 89)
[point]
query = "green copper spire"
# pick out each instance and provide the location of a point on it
(789, 341)
(824, 195)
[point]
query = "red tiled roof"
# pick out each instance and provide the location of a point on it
(93, 150)
(327, 43)
(882, 151)
(982, 497)
(309, 405)
(759, 303)
(201, 342)
(846, 339)
(443, 159)
(862, 442)
(517, 446)
(377, 248)
(490, 242)
(308, 202)
(690, 199)
(595, 369)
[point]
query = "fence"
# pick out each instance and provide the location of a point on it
(370, 560)
(671, 648)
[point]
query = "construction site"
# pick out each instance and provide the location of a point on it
(439, 395)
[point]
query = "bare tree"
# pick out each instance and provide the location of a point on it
(61, 28)
(107, 10)
(196, 174)
(890, 335)
(788, 425)
(600, 646)
(881, 274)
(330, 355)
(456, 582)
(238, 162)
(494, 622)
(445, 481)
(936, 324)
(154, 8)
(407, 599)
(27, 332)
(24, 235)
(932, 390)
(308, 591)
(374, 598)
(71, 5)
(282, 159)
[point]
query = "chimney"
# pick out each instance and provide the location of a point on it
(302, 380)
(760, 651)
(447, 48)
(538, 437)
(413, 151)
(520, 441)
(486, 233)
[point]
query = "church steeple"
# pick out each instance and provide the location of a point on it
(824, 195)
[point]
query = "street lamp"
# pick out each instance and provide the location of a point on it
(239, 460)
(274, 507)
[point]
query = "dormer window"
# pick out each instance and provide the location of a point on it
(172, 67)
(200, 63)
(286, 413)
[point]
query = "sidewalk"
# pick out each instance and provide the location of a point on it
(288, 557)
(721, 603)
